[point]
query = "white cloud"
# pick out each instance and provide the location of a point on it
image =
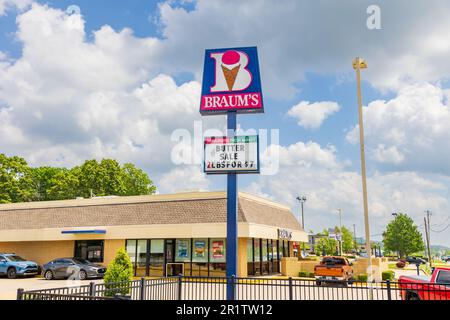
(410, 131)
(331, 184)
(180, 179)
(7, 4)
(328, 35)
(68, 98)
(312, 115)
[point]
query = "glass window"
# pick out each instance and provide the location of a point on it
(249, 250)
(91, 250)
(200, 250)
(156, 258)
(217, 250)
(141, 264)
(280, 249)
(264, 249)
(275, 250)
(183, 250)
(257, 247)
(443, 278)
(131, 250)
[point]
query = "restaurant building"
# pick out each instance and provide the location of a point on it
(183, 233)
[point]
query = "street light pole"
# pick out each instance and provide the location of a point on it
(354, 239)
(302, 200)
(359, 64)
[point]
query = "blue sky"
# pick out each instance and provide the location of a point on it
(78, 86)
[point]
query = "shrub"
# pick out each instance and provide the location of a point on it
(119, 274)
(362, 277)
(302, 274)
(311, 275)
(388, 275)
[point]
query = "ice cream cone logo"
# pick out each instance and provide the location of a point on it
(230, 67)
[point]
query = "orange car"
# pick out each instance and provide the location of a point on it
(333, 269)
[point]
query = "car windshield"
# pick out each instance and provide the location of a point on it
(15, 258)
(82, 261)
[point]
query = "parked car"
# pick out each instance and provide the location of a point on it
(64, 268)
(13, 266)
(416, 260)
(445, 258)
(333, 268)
(436, 287)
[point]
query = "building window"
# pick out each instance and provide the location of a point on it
(91, 250)
(131, 250)
(200, 257)
(157, 258)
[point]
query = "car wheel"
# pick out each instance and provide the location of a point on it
(49, 275)
(82, 275)
(11, 273)
(318, 283)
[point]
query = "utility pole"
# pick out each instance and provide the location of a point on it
(355, 245)
(359, 64)
(427, 234)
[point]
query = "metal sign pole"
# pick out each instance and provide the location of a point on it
(232, 202)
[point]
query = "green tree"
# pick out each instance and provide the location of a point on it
(15, 180)
(136, 181)
(348, 243)
(325, 244)
(64, 185)
(44, 179)
(118, 274)
(402, 236)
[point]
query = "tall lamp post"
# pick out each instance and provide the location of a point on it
(359, 64)
(302, 200)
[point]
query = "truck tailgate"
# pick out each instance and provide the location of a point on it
(332, 271)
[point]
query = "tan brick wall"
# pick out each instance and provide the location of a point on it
(40, 252)
(242, 257)
(110, 250)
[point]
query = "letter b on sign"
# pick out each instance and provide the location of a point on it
(231, 72)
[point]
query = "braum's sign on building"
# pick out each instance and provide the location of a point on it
(231, 154)
(231, 81)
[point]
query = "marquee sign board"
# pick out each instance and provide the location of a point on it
(231, 82)
(239, 154)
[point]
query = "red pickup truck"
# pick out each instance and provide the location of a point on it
(436, 287)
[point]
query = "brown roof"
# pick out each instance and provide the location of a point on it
(204, 207)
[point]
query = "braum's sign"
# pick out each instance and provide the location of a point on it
(231, 154)
(231, 81)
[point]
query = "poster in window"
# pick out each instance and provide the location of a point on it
(200, 249)
(217, 249)
(182, 249)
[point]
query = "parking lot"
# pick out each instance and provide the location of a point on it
(8, 287)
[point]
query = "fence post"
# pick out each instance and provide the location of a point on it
(290, 289)
(20, 294)
(179, 287)
(388, 285)
(142, 292)
(92, 289)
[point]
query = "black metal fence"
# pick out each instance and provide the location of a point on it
(214, 288)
